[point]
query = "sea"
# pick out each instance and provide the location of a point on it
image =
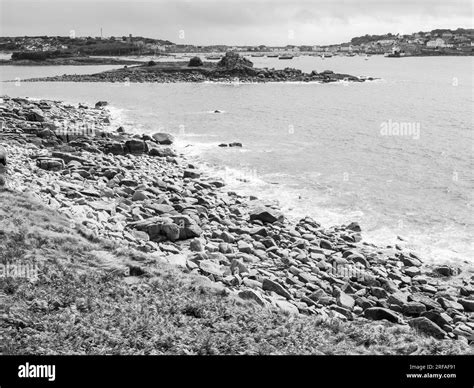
(394, 154)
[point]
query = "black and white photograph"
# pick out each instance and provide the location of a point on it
(258, 188)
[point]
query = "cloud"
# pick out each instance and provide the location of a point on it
(232, 21)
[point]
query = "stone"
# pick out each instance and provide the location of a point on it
(379, 292)
(163, 138)
(345, 301)
(325, 244)
(114, 148)
(196, 245)
(266, 215)
(100, 104)
(238, 266)
(445, 270)
(413, 308)
(244, 247)
(450, 304)
(379, 313)
(468, 304)
(136, 147)
(425, 326)
(270, 285)
(287, 307)
(211, 268)
(438, 317)
(412, 271)
(139, 195)
(193, 174)
(50, 164)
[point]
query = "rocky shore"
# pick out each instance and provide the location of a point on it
(136, 190)
(231, 68)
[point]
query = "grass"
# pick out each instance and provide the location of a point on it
(82, 303)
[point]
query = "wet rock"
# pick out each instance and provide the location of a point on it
(468, 304)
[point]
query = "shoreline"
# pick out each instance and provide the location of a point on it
(137, 190)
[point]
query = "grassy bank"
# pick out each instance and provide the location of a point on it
(93, 297)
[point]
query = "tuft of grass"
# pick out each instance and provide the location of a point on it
(80, 304)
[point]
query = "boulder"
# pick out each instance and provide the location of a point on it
(426, 326)
(251, 295)
(35, 115)
(50, 164)
(270, 285)
(136, 147)
(100, 104)
(163, 138)
(379, 313)
(114, 148)
(266, 215)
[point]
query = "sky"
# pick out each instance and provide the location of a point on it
(233, 22)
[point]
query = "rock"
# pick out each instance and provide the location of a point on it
(136, 147)
(468, 304)
(238, 267)
(114, 148)
(139, 195)
(211, 268)
(35, 115)
(325, 244)
(244, 247)
(171, 231)
(177, 260)
(425, 326)
(233, 61)
(450, 304)
(379, 313)
(412, 271)
(163, 138)
(235, 144)
(196, 245)
(445, 270)
(321, 297)
(354, 226)
(3, 156)
(287, 307)
(440, 318)
(50, 164)
(161, 152)
(345, 301)
(413, 308)
(100, 104)
(270, 285)
(266, 215)
(426, 300)
(191, 174)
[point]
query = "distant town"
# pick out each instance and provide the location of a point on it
(435, 42)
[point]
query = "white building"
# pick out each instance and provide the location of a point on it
(436, 43)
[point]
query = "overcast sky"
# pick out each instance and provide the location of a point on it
(232, 22)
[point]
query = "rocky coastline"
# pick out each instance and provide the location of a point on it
(232, 68)
(138, 191)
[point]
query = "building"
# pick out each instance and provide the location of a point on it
(436, 43)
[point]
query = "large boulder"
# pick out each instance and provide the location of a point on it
(114, 148)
